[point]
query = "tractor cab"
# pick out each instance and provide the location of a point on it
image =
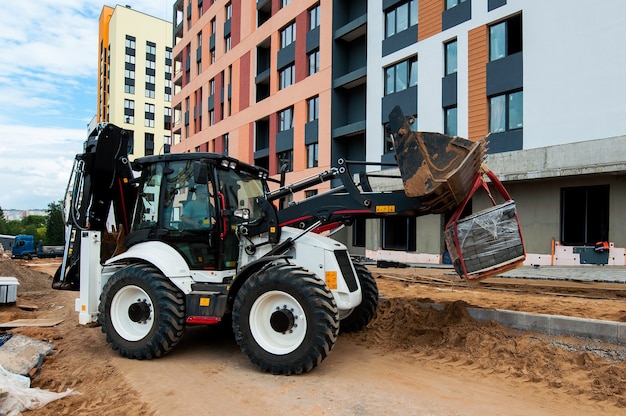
(194, 203)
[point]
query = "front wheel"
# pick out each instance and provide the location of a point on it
(285, 319)
(360, 316)
(142, 313)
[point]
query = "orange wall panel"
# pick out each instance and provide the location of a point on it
(302, 28)
(244, 84)
(478, 111)
(235, 23)
(429, 12)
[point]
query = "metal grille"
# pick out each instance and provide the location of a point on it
(345, 265)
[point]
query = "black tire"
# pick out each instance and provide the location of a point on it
(365, 312)
(285, 319)
(141, 312)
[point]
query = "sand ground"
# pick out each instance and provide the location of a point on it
(409, 360)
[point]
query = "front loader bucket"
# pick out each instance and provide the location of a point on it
(437, 167)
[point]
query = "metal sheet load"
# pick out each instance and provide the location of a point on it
(487, 242)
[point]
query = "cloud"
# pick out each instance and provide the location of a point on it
(48, 74)
(35, 174)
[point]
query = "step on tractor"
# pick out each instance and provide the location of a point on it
(174, 240)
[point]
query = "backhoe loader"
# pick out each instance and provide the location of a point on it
(174, 240)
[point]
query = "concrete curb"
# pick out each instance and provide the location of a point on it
(607, 331)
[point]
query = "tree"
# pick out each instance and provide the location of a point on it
(55, 234)
(3, 222)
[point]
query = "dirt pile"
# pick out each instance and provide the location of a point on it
(81, 358)
(453, 337)
(29, 280)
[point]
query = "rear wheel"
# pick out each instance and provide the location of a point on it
(285, 319)
(365, 311)
(142, 313)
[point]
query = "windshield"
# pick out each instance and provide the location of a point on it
(240, 192)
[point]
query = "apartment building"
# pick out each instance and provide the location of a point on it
(547, 94)
(252, 79)
(135, 77)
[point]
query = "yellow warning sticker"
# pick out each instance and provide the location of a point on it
(331, 280)
(205, 301)
(385, 208)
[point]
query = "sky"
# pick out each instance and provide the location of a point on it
(48, 75)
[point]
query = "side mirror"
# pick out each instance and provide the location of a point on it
(200, 173)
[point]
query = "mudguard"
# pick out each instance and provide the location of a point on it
(161, 256)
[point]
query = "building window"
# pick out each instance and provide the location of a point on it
(451, 57)
(314, 62)
(314, 17)
(129, 88)
(285, 159)
(288, 35)
(312, 158)
(213, 24)
(129, 111)
(129, 66)
(400, 18)
(150, 69)
(585, 215)
(286, 76)
(130, 59)
(285, 119)
(227, 45)
(506, 112)
(167, 93)
(167, 142)
(150, 50)
(229, 11)
(149, 115)
(505, 38)
(358, 232)
(149, 144)
(225, 139)
(309, 193)
(313, 108)
(167, 118)
(130, 42)
(211, 117)
(450, 121)
(283, 3)
(129, 83)
(453, 3)
(398, 233)
(400, 76)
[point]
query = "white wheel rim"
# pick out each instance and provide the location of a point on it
(272, 341)
(120, 319)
